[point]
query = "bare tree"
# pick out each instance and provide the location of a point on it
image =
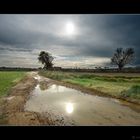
(46, 59)
(122, 57)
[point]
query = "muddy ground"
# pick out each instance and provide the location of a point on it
(12, 107)
(125, 101)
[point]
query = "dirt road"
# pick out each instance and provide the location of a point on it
(12, 107)
(37, 100)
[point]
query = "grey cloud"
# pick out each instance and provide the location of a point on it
(98, 36)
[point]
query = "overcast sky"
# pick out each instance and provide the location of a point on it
(91, 41)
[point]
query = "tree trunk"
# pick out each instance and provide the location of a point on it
(45, 67)
(120, 68)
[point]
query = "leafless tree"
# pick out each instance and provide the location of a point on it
(122, 57)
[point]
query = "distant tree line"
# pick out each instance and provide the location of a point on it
(17, 69)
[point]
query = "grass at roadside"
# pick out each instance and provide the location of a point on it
(9, 79)
(125, 86)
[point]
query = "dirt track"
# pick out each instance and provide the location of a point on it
(12, 107)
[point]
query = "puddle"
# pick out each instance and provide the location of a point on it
(10, 98)
(79, 108)
(41, 78)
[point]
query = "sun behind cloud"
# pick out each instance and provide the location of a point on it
(70, 28)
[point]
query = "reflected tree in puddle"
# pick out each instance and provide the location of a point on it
(43, 85)
(65, 105)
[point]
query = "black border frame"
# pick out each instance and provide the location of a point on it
(72, 7)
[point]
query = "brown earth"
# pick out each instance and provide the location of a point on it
(12, 107)
(27, 118)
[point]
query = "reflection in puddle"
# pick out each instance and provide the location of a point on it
(37, 77)
(83, 109)
(69, 107)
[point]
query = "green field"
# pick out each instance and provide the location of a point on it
(116, 85)
(113, 84)
(9, 79)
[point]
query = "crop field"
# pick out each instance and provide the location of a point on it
(9, 79)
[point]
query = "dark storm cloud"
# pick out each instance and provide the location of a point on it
(97, 38)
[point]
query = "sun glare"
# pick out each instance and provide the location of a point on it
(70, 28)
(69, 107)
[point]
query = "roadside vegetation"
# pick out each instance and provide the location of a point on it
(9, 79)
(114, 85)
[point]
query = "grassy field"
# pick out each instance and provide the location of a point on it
(114, 84)
(9, 79)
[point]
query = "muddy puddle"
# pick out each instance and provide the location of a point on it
(68, 106)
